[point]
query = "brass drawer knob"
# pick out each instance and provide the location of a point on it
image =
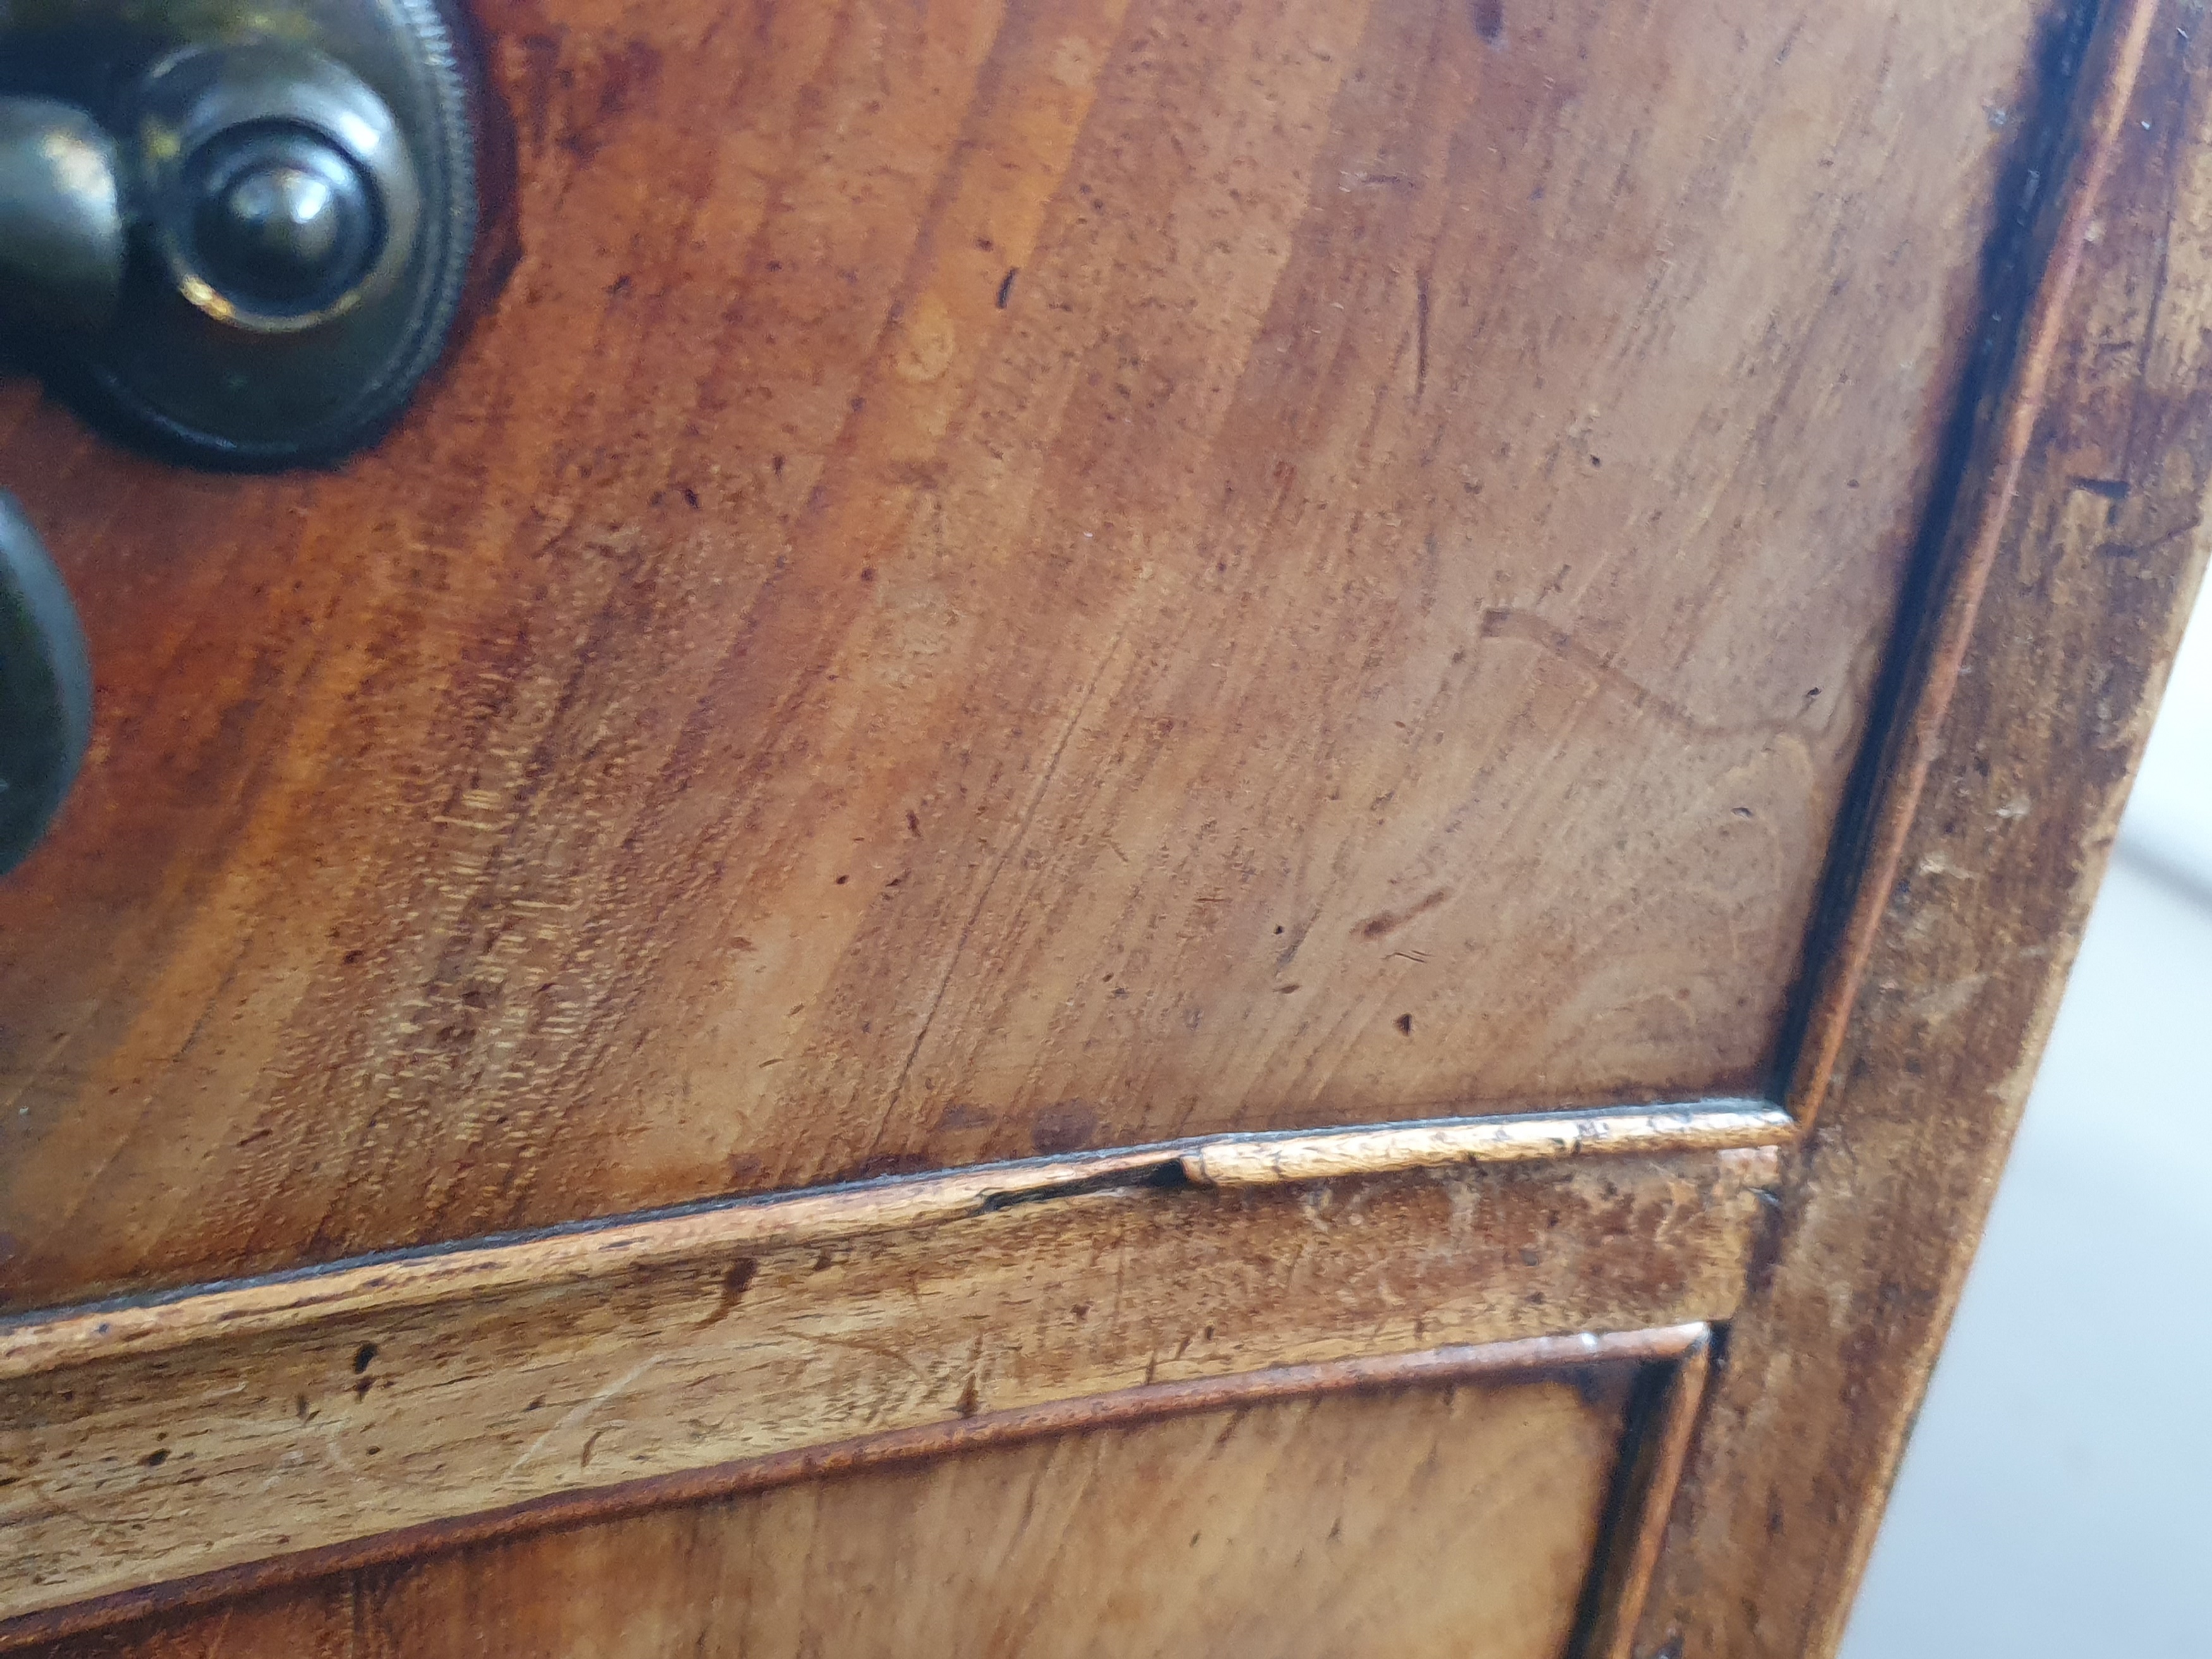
(241, 243)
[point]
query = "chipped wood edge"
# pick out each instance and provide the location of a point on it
(1632, 1554)
(237, 1310)
(1435, 1367)
(1713, 1126)
(2013, 406)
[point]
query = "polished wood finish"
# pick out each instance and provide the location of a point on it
(1258, 1528)
(395, 1402)
(1008, 579)
(2069, 631)
(962, 524)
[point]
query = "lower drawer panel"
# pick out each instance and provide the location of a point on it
(1451, 1514)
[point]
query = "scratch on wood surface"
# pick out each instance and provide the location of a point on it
(1527, 628)
(578, 1414)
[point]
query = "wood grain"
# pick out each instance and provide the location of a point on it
(105, 1332)
(1254, 1529)
(2031, 752)
(1658, 1351)
(381, 1414)
(1005, 579)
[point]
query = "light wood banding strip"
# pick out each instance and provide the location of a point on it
(232, 1312)
(376, 1417)
(1712, 1125)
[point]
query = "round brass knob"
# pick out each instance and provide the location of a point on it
(288, 228)
(238, 237)
(282, 191)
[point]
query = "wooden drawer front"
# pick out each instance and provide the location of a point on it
(159, 1449)
(1054, 578)
(1443, 1519)
(1004, 579)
